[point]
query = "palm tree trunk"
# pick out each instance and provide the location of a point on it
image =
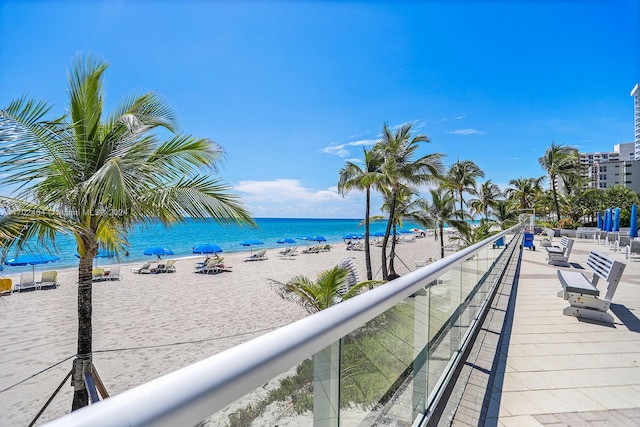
(83, 361)
(392, 213)
(392, 255)
(441, 226)
(555, 197)
(367, 247)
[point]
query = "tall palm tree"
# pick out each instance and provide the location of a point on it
(560, 162)
(95, 177)
(326, 291)
(406, 207)
(462, 178)
(487, 196)
(352, 176)
(400, 170)
(504, 213)
(523, 192)
(441, 211)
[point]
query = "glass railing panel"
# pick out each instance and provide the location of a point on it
(376, 361)
(285, 400)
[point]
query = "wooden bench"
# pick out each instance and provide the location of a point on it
(559, 255)
(582, 292)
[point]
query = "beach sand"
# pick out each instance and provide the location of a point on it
(147, 325)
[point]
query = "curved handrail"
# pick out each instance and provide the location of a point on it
(191, 394)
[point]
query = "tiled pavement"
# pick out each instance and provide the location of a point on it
(533, 366)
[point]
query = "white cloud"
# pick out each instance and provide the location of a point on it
(466, 132)
(342, 150)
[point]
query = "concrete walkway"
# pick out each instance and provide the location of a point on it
(560, 370)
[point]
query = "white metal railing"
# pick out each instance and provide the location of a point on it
(191, 394)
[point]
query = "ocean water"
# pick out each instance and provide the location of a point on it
(181, 238)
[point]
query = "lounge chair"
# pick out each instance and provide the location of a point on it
(210, 266)
(27, 282)
(97, 274)
(48, 280)
(622, 242)
(258, 256)
(6, 285)
(633, 248)
(312, 249)
(144, 269)
(114, 272)
(288, 253)
(167, 267)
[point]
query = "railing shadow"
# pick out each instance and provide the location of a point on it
(625, 315)
(493, 392)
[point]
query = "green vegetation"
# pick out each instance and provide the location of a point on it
(95, 176)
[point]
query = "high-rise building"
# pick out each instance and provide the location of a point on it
(620, 166)
(635, 92)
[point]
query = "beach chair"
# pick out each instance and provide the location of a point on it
(27, 282)
(144, 269)
(258, 256)
(210, 266)
(114, 272)
(6, 285)
(97, 274)
(633, 248)
(48, 280)
(167, 267)
(288, 253)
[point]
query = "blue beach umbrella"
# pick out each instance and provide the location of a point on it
(610, 219)
(32, 260)
(633, 226)
(319, 239)
(599, 220)
(286, 241)
(158, 251)
(206, 249)
(102, 253)
(352, 236)
(607, 221)
(616, 220)
(251, 243)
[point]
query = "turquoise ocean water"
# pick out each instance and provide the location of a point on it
(181, 238)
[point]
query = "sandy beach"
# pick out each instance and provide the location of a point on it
(146, 325)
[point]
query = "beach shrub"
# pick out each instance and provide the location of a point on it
(566, 223)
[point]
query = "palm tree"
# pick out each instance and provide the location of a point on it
(441, 211)
(487, 196)
(462, 178)
(95, 178)
(560, 162)
(400, 170)
(352, 176)
(406, 207)
(504, 214)
(523, 192)
(329, 289)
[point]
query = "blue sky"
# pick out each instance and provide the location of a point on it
(292, 90)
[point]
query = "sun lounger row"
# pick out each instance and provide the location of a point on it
(101, 274)
(48, 280)
(212, 266)
(316, 249)
(156, 267)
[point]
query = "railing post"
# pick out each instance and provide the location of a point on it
(326, 386)
(421, 352)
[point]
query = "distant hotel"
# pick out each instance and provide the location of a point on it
(620, 166)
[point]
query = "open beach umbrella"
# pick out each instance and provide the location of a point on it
(206, 249)
(32, 260)
(158, 251)
(319, 239)
(599, 224)
(251, 243)
(633, 226)
(286, 241)
(616, 219)
(352, 236)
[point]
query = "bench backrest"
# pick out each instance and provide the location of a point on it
(567, 244)
(607, 269)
